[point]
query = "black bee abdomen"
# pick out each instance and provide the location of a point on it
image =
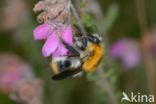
(64, 65)
(67, 63)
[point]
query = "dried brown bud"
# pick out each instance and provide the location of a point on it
(13, 13)
(41, 5)
(53, 10)
(28, 92)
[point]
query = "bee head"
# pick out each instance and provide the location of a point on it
(82, 41)
(95, 38)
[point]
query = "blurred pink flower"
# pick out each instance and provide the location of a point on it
(13, 70)
(28, 92)
(154, 48)
(53, 45)
(128, 51)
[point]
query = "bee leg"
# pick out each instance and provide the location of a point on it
(81, 43)
(86, 55)
(84, 43)
(71, 49)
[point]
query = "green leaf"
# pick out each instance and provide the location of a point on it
(111, 16)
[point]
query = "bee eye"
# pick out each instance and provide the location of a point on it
(94, 39)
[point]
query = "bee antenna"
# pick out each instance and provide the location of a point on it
(104, 37)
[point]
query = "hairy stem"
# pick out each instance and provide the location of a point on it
(75, 13)
(103, 81)
(106, 86)
(145, 45)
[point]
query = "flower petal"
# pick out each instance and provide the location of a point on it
(42, 31)
(117, 49)
(131, 56)
(50, 45)
(67, 34)
(61, 51)
(131, 60)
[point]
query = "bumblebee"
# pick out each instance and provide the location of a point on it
(91, 44)
(87, 52)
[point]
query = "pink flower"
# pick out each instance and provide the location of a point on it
(53, 45)
(42, 31)
(128, 51)
(12, 71)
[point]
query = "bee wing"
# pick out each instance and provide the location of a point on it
(65, 74)
(79, 74)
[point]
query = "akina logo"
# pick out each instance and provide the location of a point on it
(137, 97)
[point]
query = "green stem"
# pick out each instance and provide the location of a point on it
(75, 13)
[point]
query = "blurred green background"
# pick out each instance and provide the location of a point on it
(119, 20)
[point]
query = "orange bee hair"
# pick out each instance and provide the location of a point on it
(94, 60)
